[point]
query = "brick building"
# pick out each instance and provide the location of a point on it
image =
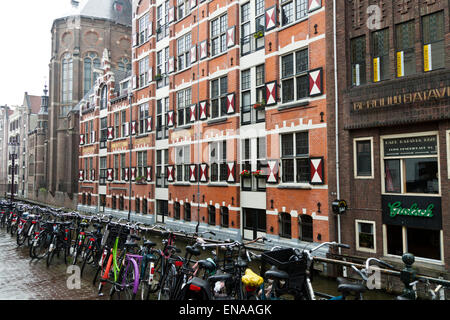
(78, 41)
(228, 121)
(394, 129)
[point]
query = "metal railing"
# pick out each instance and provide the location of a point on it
(253, 42)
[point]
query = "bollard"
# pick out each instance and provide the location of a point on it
(407, 276)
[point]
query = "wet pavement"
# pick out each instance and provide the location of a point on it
(24, 279)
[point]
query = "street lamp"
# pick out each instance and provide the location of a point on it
(130, 99)
(13, 151)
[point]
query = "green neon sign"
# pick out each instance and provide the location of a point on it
(397, 210)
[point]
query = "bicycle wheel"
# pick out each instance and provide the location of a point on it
(41, 245)
(87, 259)
(51, 253)
(21, 236)
(167, 283)
(151, 282)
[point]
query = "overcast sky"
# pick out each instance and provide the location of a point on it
(26, 46)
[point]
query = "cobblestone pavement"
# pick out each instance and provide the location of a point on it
(24, 279)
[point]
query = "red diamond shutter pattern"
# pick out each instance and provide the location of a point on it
(126, 177)
(273, 171)
(193, 173)
(171, 67)
(231, 37)
(314, 5)
(203, 110)
(109, 175)
(317, 170)
(149, 124)
(271, 93)
(133, 128)
(93, 134)
(81, 175)
(133, 174)
(231, 176)
(110, 133)
(149, 174)
(230, 103)
(170, 119)
(92, 174)
(315, 82)
(194, 54)
(203, 172)
(193, 113)
(203, 49)
(170, 173)
(81, 139)
(271, 18)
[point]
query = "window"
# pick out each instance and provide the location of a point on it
(306, 228)
(184, 51)
(285, 225)
(121, 207)
(143, 71)
(103, 132)
(143, 28)
(124, 123)
(219, 91)
(137, 205)
(113, 202)
(103, 165)
(162, 64)
(162, 18)
(104, 98)
(144, 206)
(182, 161)
(187, 212)
(224, 217)
(365, 236)
(116, 167)
(380, 55)
(217, 161)
(124, 65)
(162, 161)
(363, 162)
(219, 28)
(67, 83)
(259, 11)
(117, 125)
(142, 164)
(143, 117)
(212, 215)
(407, 173)
(183, 7)
(294, 73)
(255, 223)
(295, 157)
(433, 29)
(162, 108)
(123, 166)
(293, 11)
(184, 100)
(406, 57)
(358, 60)
(91, 62)
(176, 211)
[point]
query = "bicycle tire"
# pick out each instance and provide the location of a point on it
(148, 289)
(100, 267)
(88, 255)
(21, 237)
(167, 283)
(50, 256)
(41, 249)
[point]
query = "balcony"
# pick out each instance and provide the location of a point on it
(252, 43)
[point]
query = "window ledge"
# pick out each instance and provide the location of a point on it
(216, 121)
(293, 105)
(181, 184)
(293, 23)
(184, 127)
(301, 186)
(217, 184)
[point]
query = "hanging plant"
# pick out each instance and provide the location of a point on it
(245, 173)
(257, 173)
(258, 34)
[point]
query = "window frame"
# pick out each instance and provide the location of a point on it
(399, 31)
(184, 101)
(295, 5)
(143, 24)
(141, 163)
(143, 115)
(429, 42)
(294, 157)
(355, 158)
(383, 58)
(402, 165)
(144, 67)
(220, 160)
(374, 235)
(221, 98)
(295, 76)
(285, 219)
(184, 55)
(221, 36)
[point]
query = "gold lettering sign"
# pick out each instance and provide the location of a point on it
(88, 150)
(119, 145)
(419, 96)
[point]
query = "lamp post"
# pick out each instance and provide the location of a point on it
(13, 150)
(130, 99)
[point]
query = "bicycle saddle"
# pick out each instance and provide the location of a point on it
(193, 251)
(349, 287)
(206, 264)
(84, 225)
(131, 244)
(149, 243)
(276, 274)
(220, 277)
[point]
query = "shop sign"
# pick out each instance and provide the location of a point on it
(418, 212)
(410, 146)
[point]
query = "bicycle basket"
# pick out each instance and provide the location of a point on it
(281, 260)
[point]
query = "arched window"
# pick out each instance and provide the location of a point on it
(138, 205)
(104, 98)
(285, 225)
(176, 211)
(91, 62)
(212, 215)
(66, 83)
(187, 212)
(306, 228)
(124, 65)
(224, 217)
(144, 206)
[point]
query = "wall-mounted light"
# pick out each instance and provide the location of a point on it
(203, 198)
(315, 29)
(319, 237)
(193, 198)
(232, 201)
(321, 116)
(270, 46)
(231, 61)
(271, 229)
(318, 207)
(271, 204)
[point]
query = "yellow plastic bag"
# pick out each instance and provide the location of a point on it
(252, 279)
